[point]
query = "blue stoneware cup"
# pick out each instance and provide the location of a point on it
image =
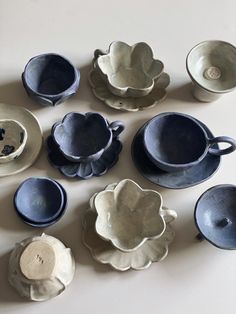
(175, 141)
(85, 137)
(215, 216)
(50, 79)
(40, 200)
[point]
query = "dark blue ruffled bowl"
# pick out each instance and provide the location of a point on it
(85, 137)
(40, 201)
(50, 79)
(83, 170)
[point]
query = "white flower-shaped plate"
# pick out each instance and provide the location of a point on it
(101, 91)
(102, 251)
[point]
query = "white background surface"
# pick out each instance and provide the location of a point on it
(195, 277)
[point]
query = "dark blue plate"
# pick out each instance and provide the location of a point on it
(173, 180)
(215, 216)
(39, 200)
(54, 220)
(83, 170)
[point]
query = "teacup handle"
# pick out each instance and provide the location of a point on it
(222, 139)
(116, 127)
(169, 214)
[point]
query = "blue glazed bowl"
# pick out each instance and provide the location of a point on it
(176, 141)
(50, 79)
(215, 216)
(85, 137)
(39, 200)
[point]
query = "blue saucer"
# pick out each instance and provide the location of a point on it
(173, 180)
(37, 215)
(83, 170)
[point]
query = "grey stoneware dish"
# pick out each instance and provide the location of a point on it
(215, 216)
(130, 71)
(84, 170)
(40, 267)
(211, 66)
(173, 180)
(50, 79)
(85, 137)
(128, 215)
(153, 250)
(40, 201)
(176, 142)
(13, 137)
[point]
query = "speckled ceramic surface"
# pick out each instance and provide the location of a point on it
(211, 66)
(41, 268)
(128, 215)
(34, 141)
(103, 251)
(130, 71)
(13, 137)
(100, 90)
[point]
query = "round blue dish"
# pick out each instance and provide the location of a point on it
(39, 200)
(215, 216)
(50, 79)
(53, 221)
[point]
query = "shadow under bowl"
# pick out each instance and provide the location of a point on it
(39, 200)
(215, 216)
(50, 79)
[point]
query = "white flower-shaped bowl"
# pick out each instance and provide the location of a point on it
(41, 267)
(128, 216)
(130, 71)
(13, 137)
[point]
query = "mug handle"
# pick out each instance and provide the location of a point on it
(222, 139)
(169, 214)
(116, 127)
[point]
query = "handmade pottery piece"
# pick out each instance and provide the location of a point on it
(132, 104)
(83, 170)
(173, 180)
(34, 139)
(175, 141)
(128, 216)
(103, 251)
(211, 66)
(215, 216)
(50, 79)
(39, 200)
(85, 137)
(130, 71)
(13, 137)
(41, 267)
(53, 220)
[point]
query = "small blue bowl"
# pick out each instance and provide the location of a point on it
(39, 200)
(50, 79)
(85, 137)
(215, 216)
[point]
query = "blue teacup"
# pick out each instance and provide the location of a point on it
(176, 141)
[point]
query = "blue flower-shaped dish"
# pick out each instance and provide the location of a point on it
(40, 202)
(83, 170)
(85, 137)
(50, 79)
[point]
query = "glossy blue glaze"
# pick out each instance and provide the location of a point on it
(176, 141)
(215, 216)
(83, 170)
(39, 200)
(173, 180)
(50, 79)
(85, 137)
